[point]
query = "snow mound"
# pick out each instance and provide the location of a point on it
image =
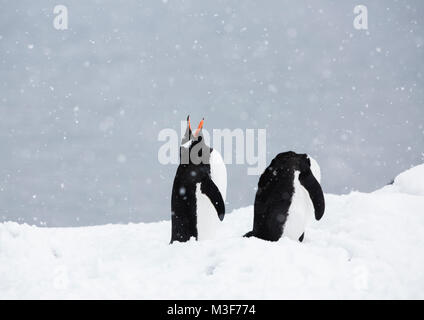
(367, 245)
(411, 181)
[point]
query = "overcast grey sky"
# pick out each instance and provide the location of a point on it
(81, 109)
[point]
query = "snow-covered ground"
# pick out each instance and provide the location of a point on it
(368, 245)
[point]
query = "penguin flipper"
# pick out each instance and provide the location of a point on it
(311, 184)
(209, 188)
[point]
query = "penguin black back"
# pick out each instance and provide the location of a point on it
(183, 202)
(275, 193)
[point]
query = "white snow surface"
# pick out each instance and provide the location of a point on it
(411, 181)
(367, 245)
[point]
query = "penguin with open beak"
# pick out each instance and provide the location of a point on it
(199, 189)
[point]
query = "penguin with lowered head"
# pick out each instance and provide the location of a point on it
(288, 195)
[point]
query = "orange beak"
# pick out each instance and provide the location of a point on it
(188, 120)
(199, 127)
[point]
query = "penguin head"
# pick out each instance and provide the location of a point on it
(193, 149)
(299, 161)
(309, 163)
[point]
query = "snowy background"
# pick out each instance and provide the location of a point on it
(80, 110)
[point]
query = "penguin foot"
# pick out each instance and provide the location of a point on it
(249, 234)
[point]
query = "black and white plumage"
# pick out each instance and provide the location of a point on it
(288, 194)
(199, 189)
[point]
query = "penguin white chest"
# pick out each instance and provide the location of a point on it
(207, 217)
(208, 221)
(300, 212)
